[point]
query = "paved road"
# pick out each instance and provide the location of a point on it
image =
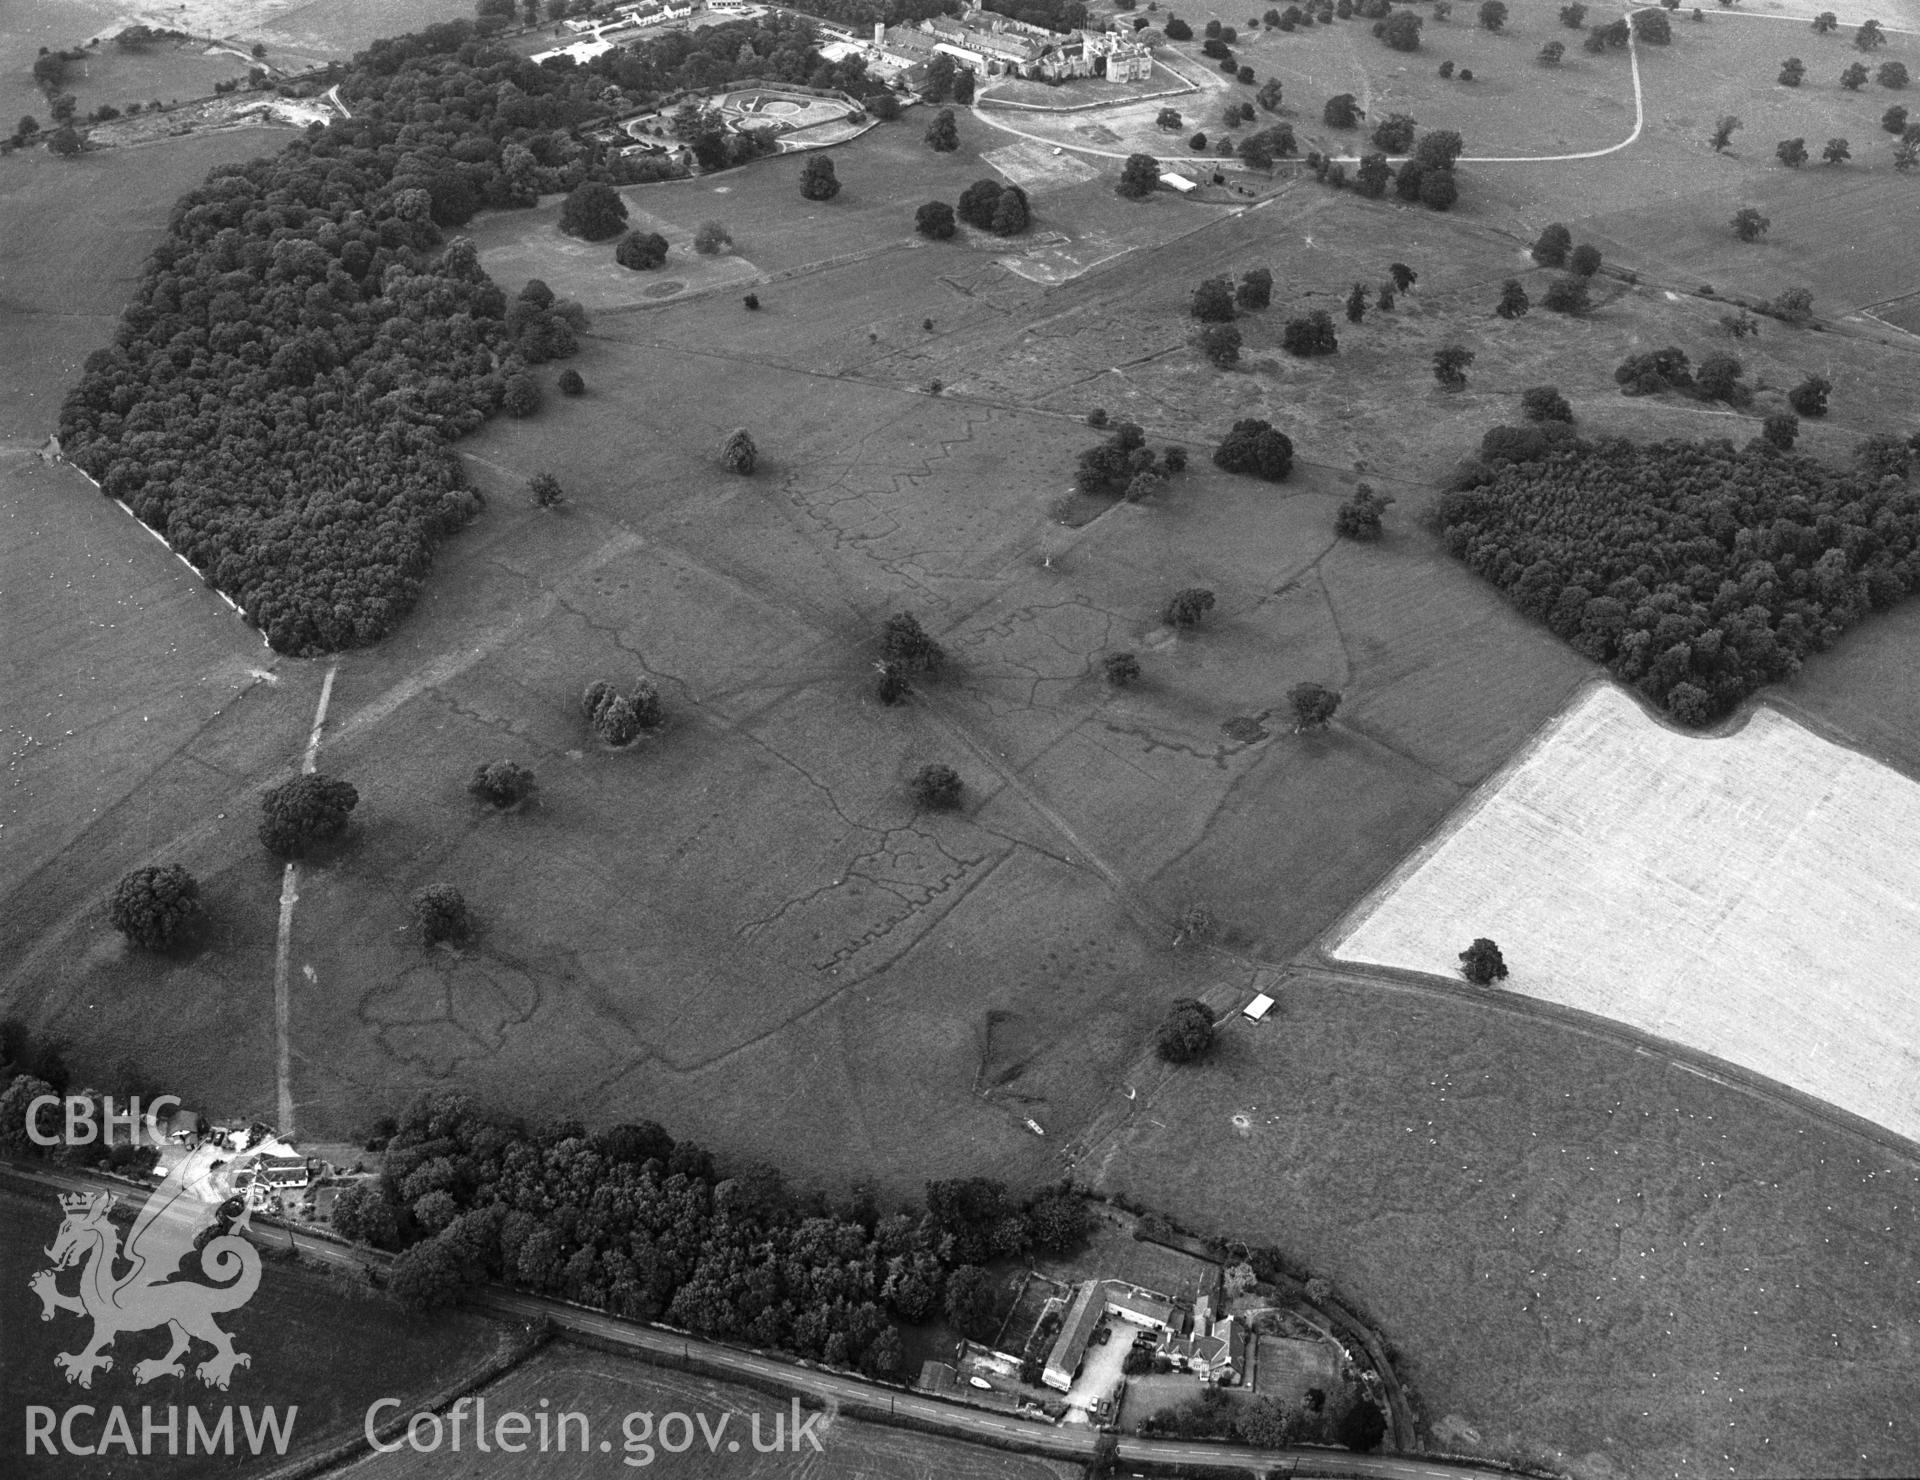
(676, 1349)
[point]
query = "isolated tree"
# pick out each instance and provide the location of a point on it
(1552, 52)
(502, 783)
(1401, 31)
(1357, 303)
(1178, 30)
(571, 383)
(1545, 403)
(1438, 149)
(1310, 334)
(1255, 449)
(737, 452)
(712, 238)
(156, 907)
(750, 300)
(1855, 76)
(616, 721)
(1653, 27)
(1869, 36)
(943, 134)
(1584, 260)
(440, 910)
(936, 787)
(546, 491)
(1220, 343)
(1404, 277)
(1342, 111)
(1568, 295)
(1185, 1033)
(1197, 144)
(1791, 152)
(1361, 1425)
(1792, 70)
(593, 212)
(1573, 17)
(1373, 175)
(306, 810)
(1139, 176)
(934, 220)
(642, 251)
(1809, 398)
(1212, 301)
(1188, 608)
(1169, 119)
(977, 203)
(1825, 22)
(904, 641)
(1749, 225)
(1313, 705)
(1450, 366)
(1740, 325)
(1717, 378)
(1384, 298)
(1269, 95)
(1256, 289)
(1122, 669)
(817, 179)
(1438, 192)
(1394, 134)
(1723, 132)
(1481, 963)
(1446, 69)
(1836, 152)
(1780, 429)
(1358, 518)
(1891, 74)
(1894, 120)
(1011, 215)
(1513, 302)
(1493, 15)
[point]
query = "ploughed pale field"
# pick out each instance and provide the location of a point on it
(1756, 897)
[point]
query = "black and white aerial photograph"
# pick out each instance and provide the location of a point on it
(959, 739)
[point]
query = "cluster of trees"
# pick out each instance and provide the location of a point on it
(1255, 448)
(1695, 572)
(1310, 334)
(32, 1065)
(1717, 377)
(1349, 1417)
(502, 784)
(1124, 466)
(986, 204)
(1360, 517)
(303, 346)
(631, 1221)
(440, 910)
(620, 719)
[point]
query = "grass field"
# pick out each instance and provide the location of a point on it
(1624, 1268)
(326, 1346)
(1769, 873)
(606, 1389)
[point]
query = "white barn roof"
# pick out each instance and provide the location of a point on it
(1261, 1005)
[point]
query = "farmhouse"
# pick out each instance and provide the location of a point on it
(1209, 1354)
(282, 1172)
(991, 45)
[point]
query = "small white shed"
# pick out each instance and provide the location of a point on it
(1261, 1005)
(1176, 181)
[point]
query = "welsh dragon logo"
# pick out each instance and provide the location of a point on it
(151, 1291)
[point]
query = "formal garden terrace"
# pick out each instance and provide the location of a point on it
(1754, 896)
